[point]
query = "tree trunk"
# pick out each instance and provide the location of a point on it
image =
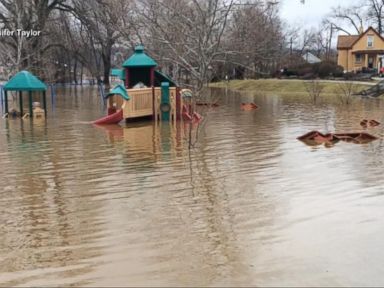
(75, 71)
(81, 74)
(106, 55)
(107, 69)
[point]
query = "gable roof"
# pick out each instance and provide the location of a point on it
(25, 81)
(310, 58)
(347, 41)
(118, 90)
(139, 59)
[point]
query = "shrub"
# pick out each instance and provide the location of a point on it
(321, 70)
(326, 69)
(305, 70)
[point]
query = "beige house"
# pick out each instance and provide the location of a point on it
(356, 52)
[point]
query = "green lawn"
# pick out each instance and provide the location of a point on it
(277, 86)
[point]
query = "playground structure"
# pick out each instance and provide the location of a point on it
(145, 92)
(24, 81)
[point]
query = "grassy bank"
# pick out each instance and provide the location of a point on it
(280, 87)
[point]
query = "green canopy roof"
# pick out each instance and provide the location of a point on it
(161, 77)
(118, 90)
(25, 81)
(120, 73)
(139, 59)
(116, 72)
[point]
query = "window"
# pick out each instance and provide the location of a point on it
(358, 58)
(370, 41)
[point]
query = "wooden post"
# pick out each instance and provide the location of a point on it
(178, 104)
(45, 103)
(347, 61)
(152, 71)
(21, 103)
(127, 78)
(30, 104)
(6, 101)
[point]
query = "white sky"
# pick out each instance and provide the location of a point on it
(309, 13)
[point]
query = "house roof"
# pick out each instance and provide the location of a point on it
(118, 90)
(347, 41)
(139, 59)
(310, 58)
(25, 81)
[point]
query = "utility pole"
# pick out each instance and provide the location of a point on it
(330, 41)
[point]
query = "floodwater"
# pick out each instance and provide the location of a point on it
(248, 206)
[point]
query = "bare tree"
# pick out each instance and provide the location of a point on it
(353, 16)
(188, 40)
(314, 89)
(345, 92)
(254, 37)
(26, 51)
(358, 16)
(375, 13)
(104, 21)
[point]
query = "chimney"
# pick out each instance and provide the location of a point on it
(361, 30)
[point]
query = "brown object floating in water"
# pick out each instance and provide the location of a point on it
(315, 138)
(207, 104)
(364, 123)
(248, 106)
(369, 123)
(357, 138)
(374, 123)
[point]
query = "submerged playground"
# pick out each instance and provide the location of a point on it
(141, 91)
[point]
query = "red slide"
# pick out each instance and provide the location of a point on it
(187, 116)
(111, 119)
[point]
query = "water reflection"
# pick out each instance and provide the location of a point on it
(41, 231)
(144, 140)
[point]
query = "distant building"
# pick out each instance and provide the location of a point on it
(310, 58)
(360, 52)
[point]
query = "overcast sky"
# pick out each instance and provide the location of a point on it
(311, 12)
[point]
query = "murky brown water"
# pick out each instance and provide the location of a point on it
(251, 205)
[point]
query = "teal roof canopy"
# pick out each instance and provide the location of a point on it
(139, 59)
(25, 81)
(118, 90)
(120, 73)
(116, 72)
(161, 77)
